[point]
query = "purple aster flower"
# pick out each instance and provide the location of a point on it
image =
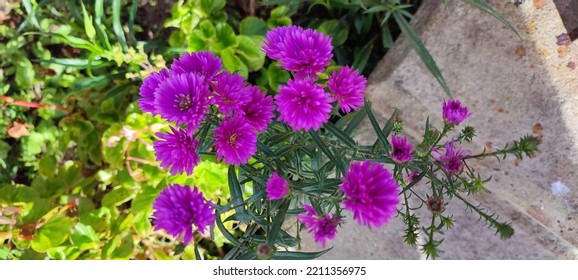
(202, 63)
(177, 150)
(273, 45)
(400, 149)
(348, 88)
(305, 52)
(451, 159)
(453, 112)
(259, 111)
(370, 193)
(148, 88)
(229, 93)
(178, 208)
(322, 226)
(235, 140)
(183, 99)
(277, 187)
(302, 104)
(411, 176)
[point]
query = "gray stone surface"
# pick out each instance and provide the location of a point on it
(514, 86)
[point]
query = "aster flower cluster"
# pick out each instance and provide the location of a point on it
(194, 87)
(374, 183)
(304, 103)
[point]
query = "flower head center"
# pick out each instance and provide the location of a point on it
(184, 102)
(233, 140)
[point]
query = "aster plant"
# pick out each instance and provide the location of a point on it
(294, 166)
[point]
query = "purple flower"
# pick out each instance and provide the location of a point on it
(202, 63)
(400, 149)
(277, 187)
(453, 112)
(348, 88)
(177, 150)
(148, 88)
(304, 51)
(183, 99)
(302, 104)
(235, 140)
(178, 208)
(322, 226)
(411, 176)
(229, 93)
(451, 159)
(273, 45)
(370, 193)
(259, 111)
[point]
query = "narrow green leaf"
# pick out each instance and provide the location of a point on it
(87, 20)
(355, 121)
(290, 255)
(340, 134)
(380, 136)
(421, 50)
(388, 127)
(74, 10)
(76, 62)
(72, 41)
(386, 37)
(361, 57)
(131, 18)
(325, 150)
(235, 190)
(225, 232)
(117, 26)
(100, 27)
(277, 223)
(482, 5)
(375, 9)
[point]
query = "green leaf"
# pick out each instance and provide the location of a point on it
(380, 136)
(336, 30)
(376, 9)
(117, 26)
(289, 255)
(233, 63)
(482, 5)
(39, 208)
(273, 233)
(87, 21)
(250, 53)
(235, 190)
(118, 248)
(85, 237)
(100, 27)
(361, 57)
(326, 151)
(24, 72)
(212, 6)
(340, 135)
(388, 127)
(53, 233)
(47, 166)
(73, 42)
(421, 50)
(253, 26)
(226, 37)
(386, 37)
(225, 232)
(117, 197)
